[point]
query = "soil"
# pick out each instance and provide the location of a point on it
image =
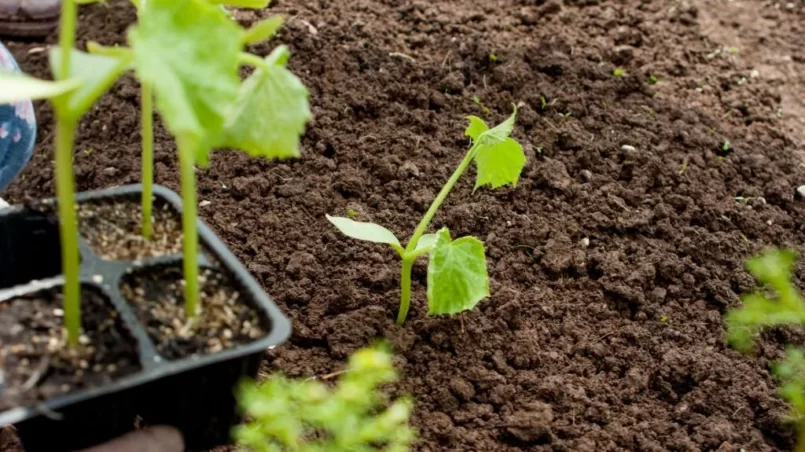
(114, 230)
(611, 263)
(37, 364)
(225, 321)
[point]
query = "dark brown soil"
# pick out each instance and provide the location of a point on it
(37, 364)
(611, 263)
(114, 230)
(225, 321)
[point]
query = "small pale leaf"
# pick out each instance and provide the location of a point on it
(476, 127)
(263, 30)
(369, 232)
(270, 112)
(250, 4)
(97, 73)
(457, 276)
(499, 164)
(426, 241)
(16, 87)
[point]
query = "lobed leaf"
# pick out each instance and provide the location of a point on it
(457, 276)
(499, 158)
(369, 232)
(188, 51)
(270, 112)
(97, 74)
(16, 87)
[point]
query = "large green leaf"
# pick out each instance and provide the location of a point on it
(500, 159)
(270, 112)
(97, 74)
(188, 51)
(369, 232)
(457, 277)
(16, 87)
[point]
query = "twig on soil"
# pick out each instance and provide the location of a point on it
(36, 375)
(328, 376)
(551, 124)
(446, 58)
(402, 55)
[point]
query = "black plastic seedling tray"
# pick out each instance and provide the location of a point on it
(194, 394)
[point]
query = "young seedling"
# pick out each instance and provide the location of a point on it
(457, 276)
(305, 416)
(187, 54)
(761, 311)
(619, 72)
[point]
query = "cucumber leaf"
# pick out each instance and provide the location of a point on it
(500, 159)
(369, 232)
(16, 87)
(97, 74)
(263, 30)
(188, 51)
(457, 276)
(270, 112)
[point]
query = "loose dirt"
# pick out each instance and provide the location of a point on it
(611, 262)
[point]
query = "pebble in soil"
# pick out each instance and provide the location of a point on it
(37, 364)
(113, 230)
(225, 320)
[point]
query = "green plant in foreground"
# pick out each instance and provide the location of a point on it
(187, 53)
(761, 311)
(457, 276)
(304, 416)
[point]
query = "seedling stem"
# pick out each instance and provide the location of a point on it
(66, 123)
(147, 124)
(187, 149)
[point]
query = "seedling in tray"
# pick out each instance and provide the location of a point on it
(457, 276)
(761, 311)
(188, 53)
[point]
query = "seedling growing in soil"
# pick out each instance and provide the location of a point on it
(761, 311)
(652, 79)
(188, 53)
(618, 72)
(457, 276)
(305, 416)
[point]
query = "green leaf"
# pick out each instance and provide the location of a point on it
(250, 4)
(270, 112)
(476, 128)
(501, 131)
(188, 51)
(499, 164)
(457, 276)
(97, 74)
(16, 87)
(426, 242)
(263, 30)
(369, 232)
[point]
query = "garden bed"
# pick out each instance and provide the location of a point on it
(611, 262)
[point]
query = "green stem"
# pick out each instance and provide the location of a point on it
(423, 224)
(188, 180)
(405, 289)
(248, 59)
(66, 125)
(68, 226)
(410, 255)
(67, 25)
(147, 124)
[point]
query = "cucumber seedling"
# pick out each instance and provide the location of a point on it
(457, 275)
(762, 310)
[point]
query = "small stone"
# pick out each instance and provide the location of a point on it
(204, 203)
(627, 149)
(83, 339)
(587, 175)
(97, 279)
(58, 312)
(585, 242)
(227, 334)
(801, 191)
